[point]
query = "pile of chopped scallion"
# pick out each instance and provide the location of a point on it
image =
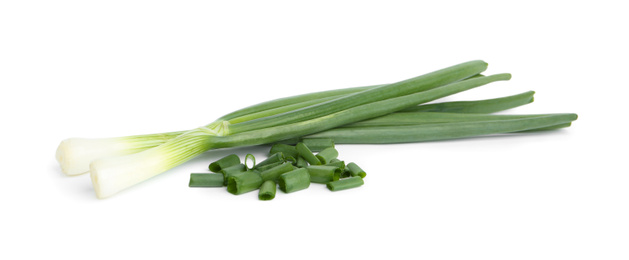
(293, 168)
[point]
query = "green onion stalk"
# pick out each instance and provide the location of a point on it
(114, 174)
(142, 157)
(75, 154)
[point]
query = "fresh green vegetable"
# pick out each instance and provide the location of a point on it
(355, 170)
(75, 154)
(243, 182)
(323, 173)
(441, 131)
(273, 159)
(266, 167)
(111, 175)
(231, 170)
(267, 190)
(337, 163)
(318, 144)
(301, 162)
(287, 150)
(327, 154)
(305, 153)
(294, 180)
(480, 106)
(250, 157)
(224, 162)
(275, 172)
(343, 184)
(206, 180)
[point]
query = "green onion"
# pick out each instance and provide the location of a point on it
(337, 163)
(106, 174)
(305, 153)
(301, 162)
(243, 182)
(253, 161)
(287, 150)
(441, 131)
(224, 162)
(231, 170)
(355, 170)
(480, 106)
(323, 173)
(327, 154)
(267, 190)
(206, 180)
(74, 155)
(266, 167)
(275, 172)
(295, 180)
(275, 158)
(418, 84)
(111, 175)
(343, 184)
(318, 144)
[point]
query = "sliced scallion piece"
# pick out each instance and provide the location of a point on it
(305, 153)
(206, 180)
(355, 170)
(287, 150)
(327, 154)
(267, 190)
(275, 158)
(243, 182)
(323, 173)
(275, 172)
(337, 163)
(229, 171)
(343, 184)
(301, 162)
(266, 167)
(250, 158)
(227, 161)
(294, 180)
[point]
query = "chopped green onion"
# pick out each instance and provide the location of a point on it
(343, 184)
(337, 163)
(287, 150)
(327, 154)
(354, 170)
(243, 182)
(229, 171)
(291, 160)
(275, 172)
(253, 161)
(301, 162)
(275, 158)
(266, 167)
(323, 173)
(294, 180)
(305, 152)
(318, 144)
(267, 190)
(206, 180)
(224, 162)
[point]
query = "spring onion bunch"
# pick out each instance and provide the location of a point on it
(118, 163)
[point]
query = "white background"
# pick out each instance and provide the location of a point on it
(116, 68)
